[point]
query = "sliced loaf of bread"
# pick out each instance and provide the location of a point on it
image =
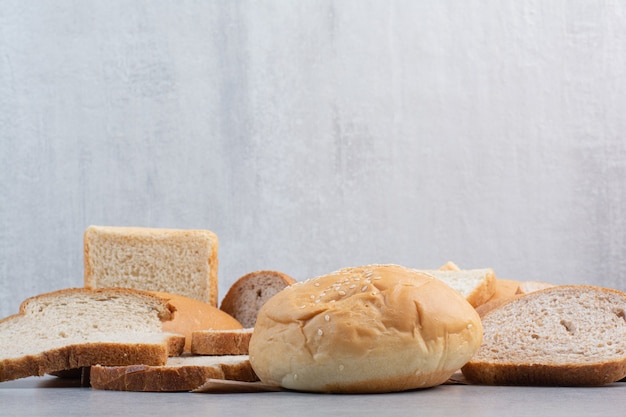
(183, 373)
(74, 328)
(571, 335)
(248, 294)
(166, 260)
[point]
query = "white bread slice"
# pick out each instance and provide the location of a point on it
(571, 335)
(78, 327)
(221, 342)
(248, 294)
(476, 285)
(165, 260)
(183, 373)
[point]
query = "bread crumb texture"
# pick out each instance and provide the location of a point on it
(166, 260)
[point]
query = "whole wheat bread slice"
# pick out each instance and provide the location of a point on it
(184, 373)
(572, 335)
(78, 327)
(247, 295)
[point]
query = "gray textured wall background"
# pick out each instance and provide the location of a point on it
(313, 135)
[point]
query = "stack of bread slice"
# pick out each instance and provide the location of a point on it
(216, 344)
(147, 319)
(216, 347)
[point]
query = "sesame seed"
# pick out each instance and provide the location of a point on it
(312, 296)
(302, 306)
(469, 326)
(342, 293)
(352, 286)
(364, 288)
(341, 367)
(377, 278)
(327, 317)
(320, 332)
(295, 376)
(317, 284)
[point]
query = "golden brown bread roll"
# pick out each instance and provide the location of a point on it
(376, 328)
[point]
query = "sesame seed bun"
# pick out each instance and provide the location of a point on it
(376, 328)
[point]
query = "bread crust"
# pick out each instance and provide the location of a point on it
(77, 356)
(170, 377)
(593, 374)
(221, 342)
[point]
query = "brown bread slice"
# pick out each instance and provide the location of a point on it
(248, 294)
(78, 327)
(183, 373)
(571, 335)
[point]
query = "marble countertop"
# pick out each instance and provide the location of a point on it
(50, 396)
